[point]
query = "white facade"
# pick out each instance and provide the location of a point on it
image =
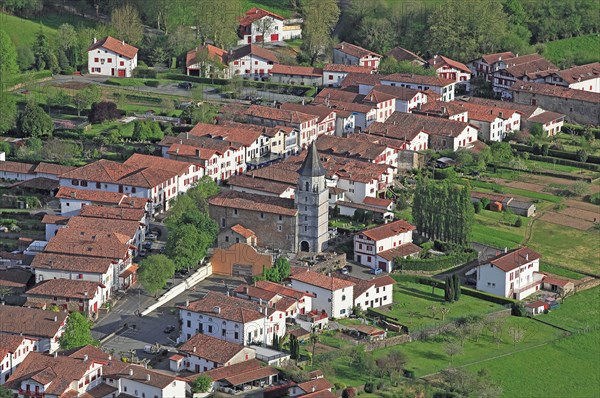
(259, 331)
(366, 250)
(337, 303)
(333, 78)
(145, 387)
(342, 57)
(250, 66)
(375, 297)
(44, 274)
(104, 62)
(11, 360)
(517, 283)
(447, 92)
(265, 29)
(196, 364)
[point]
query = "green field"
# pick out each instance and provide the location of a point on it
(567, 247)
(280, 7)
(490, 229)
(412, 300)
(578, 50)
(556, 270)
(568, 367)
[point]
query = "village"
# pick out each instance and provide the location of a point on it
(284, 206)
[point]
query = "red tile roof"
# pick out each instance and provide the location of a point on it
(439, 60)
(51, 168)
(351, 146)
(401, 93)
(546, 117)
(525, 110)
(514, 259)
(402, 251)
(71, 288)
(54, 219)
(320, 394)
(230, 308)
(9, 344)
(17, 167)
(143, 375)
(388, 230)
(412, 124)
(30, 322)
(252, 375)
(315, 385)
(417, 79)
(113, 198)
(323, 281)
(213, 52)
(580, 73)
(556, 91)
(228, 371)
(556, 281)
(117, 213)
(355, 51)
(252, 49)
(245, 232)
(441, 108)
(116, 46)
(379, 202)
(259, 184)
(244, 134)
(347, 68)
(282, 290)
(296, 70)
(68, 262)
(211, 348)
(528, 65)
(322, 112)
(149, 161)
(254, 292)
(254, 14)
(402, 54)
(285, 116)
(493, 58)
(253, 202)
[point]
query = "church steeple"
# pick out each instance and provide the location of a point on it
(312, 167)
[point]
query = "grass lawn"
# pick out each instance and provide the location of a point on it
(411, 302)
(22, 31)
(579, 50)
(489, 229)
(578, 312)
(556, 270)
(567, 247)
(489, 187)
(565, 368)
(349, 224)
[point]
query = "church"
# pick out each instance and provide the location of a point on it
(293, 224)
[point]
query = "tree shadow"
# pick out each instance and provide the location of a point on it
(420, 294)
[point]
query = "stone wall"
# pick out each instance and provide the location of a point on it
(576, 111)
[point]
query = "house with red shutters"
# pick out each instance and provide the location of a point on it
(351, 54)
(112, 57)
(260, 26)
(450, 69)
(486, 65)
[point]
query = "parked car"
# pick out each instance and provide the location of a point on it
(344, 271)
(376, 271)
(148, 245)
(185, 85)
(142, 253)
(169, 329)
(151, 236)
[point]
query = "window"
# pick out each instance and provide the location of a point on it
(262, 215)
(279, 228)
(109, 60)
(235, 211)
(95, 59)
(210, 328)
(343, 297)
(98, 185)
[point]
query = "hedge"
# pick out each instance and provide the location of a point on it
(151, 83)
(27, 77)
(143, 98)
(193, 79)
(565, 162)
(556, 153)
(577, 128)
(144, 73)
(547, 173)
(436, 263)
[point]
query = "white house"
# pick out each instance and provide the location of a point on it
(488, 64)
(138, 381)
(112, 57)
(439, 85)
(307, 125)
(514, 274)
(72, 199)
(334, 74)
(261, 26)
(551, 122)
(203, 353)
(231, 319)
(406, 99)
(13, 350)
(317, 385)
(351, 54)
(251, 62)
(379, 246)
(582, 77)
(207, 61)
(450, 69)
(44, 326)
(372, 293)
(332, 295)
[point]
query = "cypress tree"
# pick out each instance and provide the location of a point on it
(447, 292)
(456, 287)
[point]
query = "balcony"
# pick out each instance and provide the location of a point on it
(537, 279)
(29, 393)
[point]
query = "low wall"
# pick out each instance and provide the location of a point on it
(375, 345)
(198, 276)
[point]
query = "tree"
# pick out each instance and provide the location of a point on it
(8, 111)
(444, 311)
(264, 27)
(44, 56)
(184, 246)
(461, 383)
(434, 310)
(77, 332)
(127, 24)
(216, 21)
(25, 57)
(496, 327)
(103, 111)
(516, 334)
(501, 152)
(5, 392)
(57, 98)
(22, 7)
(84, 98)
(582, 155)
(68, 43)
(449, 290)
(377, 34)
(320, 18)
(283, 267)
(8, 57)
(456, 281)
(313, 339)
(452, 348)
(392, 364)
(180, 41)
(518, 222)
(34, 122)
(155, 271)
(294, 347)
(202, 384)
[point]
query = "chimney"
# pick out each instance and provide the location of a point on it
(217, 310)
(55, 354)
(123, 42)
(187, 135)
(506, 250)
(95, 40)
(313, 387)
(197, 153)
(55, 318)
(246, 287)
(194, 349)
(176, 151)
(130, 372)
(500, 58)
(526, 256)
(187, 302)
(85, 294)
(342, 46)
(85, 358)
(110, 357)
(148, 377)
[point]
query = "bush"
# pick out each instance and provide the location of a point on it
(595, 198)
(477, 206)
(152, 83)
(193, 79)
(144, 73)
(582, 155)
(339, 386)
(486, 296)
(518, 222)
(349, 392)
(518, 309)
(369, 387)
(103, 111)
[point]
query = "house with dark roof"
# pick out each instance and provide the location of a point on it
(231, 319)
(486, 65)
(582, 77)
(45, 326)
(351, 54)
(13, 350)
(450, 69)
(236, 377)
(378, 247)
(529, 68)
(401, 54)
(112, 57)
(202, 353)
(514, 274)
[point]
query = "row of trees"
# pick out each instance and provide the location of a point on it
(452, 288)
(464, 30)
(442, 211)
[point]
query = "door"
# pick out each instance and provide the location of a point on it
(121, 72)
(112, 71)
(275, 37)
(249, 39)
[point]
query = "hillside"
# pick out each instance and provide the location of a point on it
(23, 31)
(575, 50)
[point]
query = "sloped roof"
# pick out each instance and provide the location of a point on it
(323, 281)
(255, 13)
(279, 69)
(312, 166)
(243, 231)
(254, 202)
(259, 184)
(514, 259)
(30, 321)
(402, 54)
(493, 58)
(556, 91)
(213, 52)
(400, 251)
(116, 46)
(211, 348)
(227, 307)
(580, 73)
(439, 60)
(252, 49)
(388, 230)
(71, 288)
(355, 51)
